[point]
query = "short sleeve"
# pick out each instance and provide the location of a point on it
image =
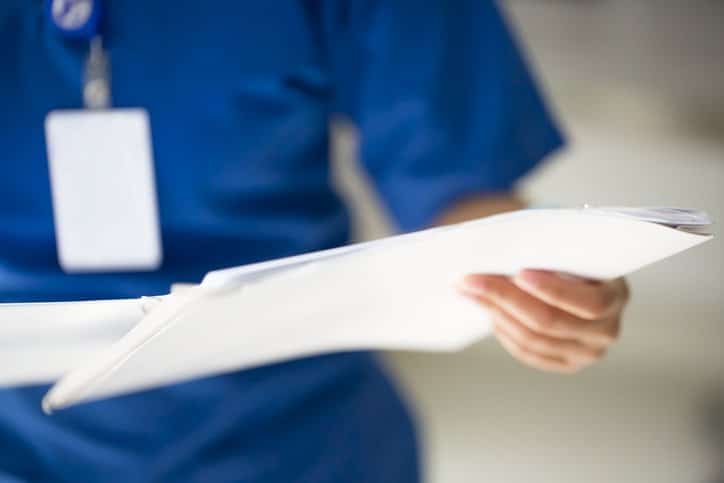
(443, 100)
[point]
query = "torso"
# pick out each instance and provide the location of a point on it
(239, 116)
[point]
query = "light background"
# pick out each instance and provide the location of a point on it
(639, 88)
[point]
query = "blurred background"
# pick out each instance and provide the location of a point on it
(639, 88)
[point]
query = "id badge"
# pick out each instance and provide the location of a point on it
(103, 190)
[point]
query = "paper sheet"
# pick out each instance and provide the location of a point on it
(398, 293)
(41, 341)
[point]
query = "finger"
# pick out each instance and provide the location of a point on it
(571, 351)
(526, 356)
(534, 313)
(586, 299)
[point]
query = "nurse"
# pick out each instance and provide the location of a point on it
(238, 97)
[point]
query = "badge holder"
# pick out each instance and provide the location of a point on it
(101, 171)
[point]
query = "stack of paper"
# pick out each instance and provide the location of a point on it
(693, 221)
(40, 341)
(395, 293)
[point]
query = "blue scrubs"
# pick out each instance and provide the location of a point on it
(240, 94)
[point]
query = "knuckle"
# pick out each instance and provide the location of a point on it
(610, 335)
(536, 343)
(583, 357)
(514, 348)
(548, 346)
(555, 291)
(605, 339)
(524, 349)
(547, 319)
(601, 303)
(593, 355)
(494, 289)
(495, 312)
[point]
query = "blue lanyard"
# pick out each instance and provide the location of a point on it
(80, 19)
(76, 19)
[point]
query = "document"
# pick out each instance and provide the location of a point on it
(40, 341)
(395, 293)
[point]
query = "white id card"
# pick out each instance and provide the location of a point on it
(103, 187)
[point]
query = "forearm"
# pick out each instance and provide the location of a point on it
(480, 206)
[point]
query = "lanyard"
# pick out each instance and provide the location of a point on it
(80, 20)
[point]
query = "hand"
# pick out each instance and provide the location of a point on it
(551, 321)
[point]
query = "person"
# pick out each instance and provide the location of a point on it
(240, 95)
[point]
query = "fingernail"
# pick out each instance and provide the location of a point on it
(466, 289)
(474, 284)
(531, 277)
(466, 293)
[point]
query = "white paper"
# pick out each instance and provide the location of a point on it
(41, 341)
(398, 293)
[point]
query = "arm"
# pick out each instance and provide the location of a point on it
(446, 109)
(546, 320)
(480, 206)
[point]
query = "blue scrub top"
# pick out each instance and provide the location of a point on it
(240, 94)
